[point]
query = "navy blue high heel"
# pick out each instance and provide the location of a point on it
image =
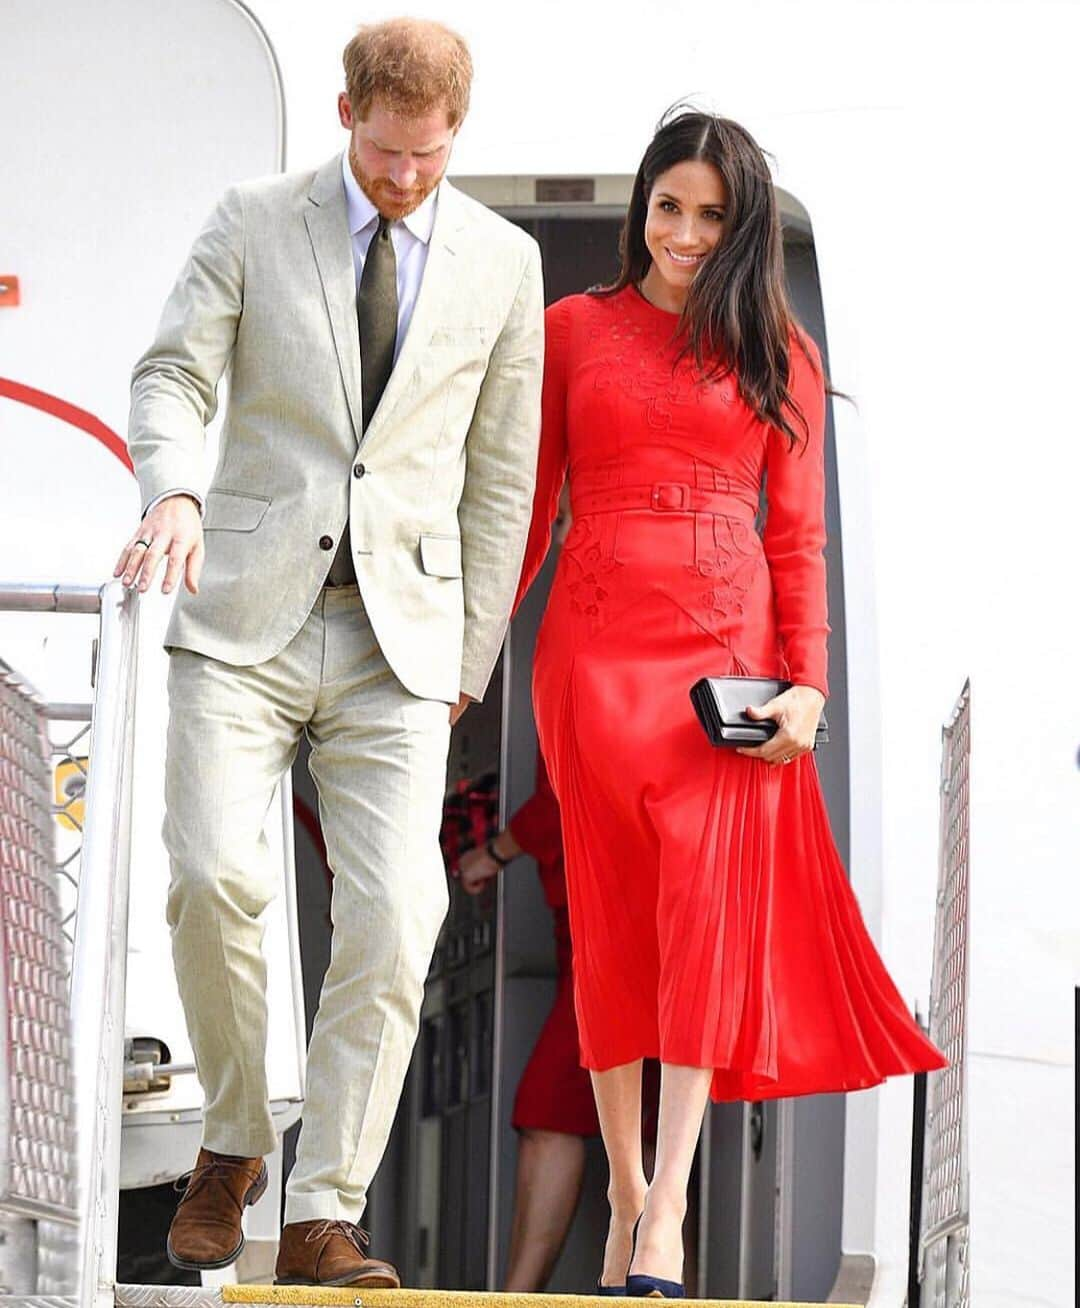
(652, 1287)
(620, 1290)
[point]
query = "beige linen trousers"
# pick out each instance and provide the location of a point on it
(437, 493)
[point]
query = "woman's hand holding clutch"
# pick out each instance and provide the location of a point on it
(796, 712)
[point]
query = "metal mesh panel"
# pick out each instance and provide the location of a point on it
(944, 1231)
(38, 1173)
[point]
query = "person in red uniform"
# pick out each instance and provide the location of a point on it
(554, 1110)
(712, 921)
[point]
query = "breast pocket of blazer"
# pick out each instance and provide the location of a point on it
(440, 556)
(471, 339)
(233, 511)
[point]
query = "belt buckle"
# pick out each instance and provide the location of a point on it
(670, 496)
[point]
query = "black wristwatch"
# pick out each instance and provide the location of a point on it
(490, 847)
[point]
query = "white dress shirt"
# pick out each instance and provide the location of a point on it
(411, 237)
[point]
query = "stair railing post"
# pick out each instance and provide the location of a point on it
(99, 963)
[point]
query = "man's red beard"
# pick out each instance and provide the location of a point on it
(385, 196)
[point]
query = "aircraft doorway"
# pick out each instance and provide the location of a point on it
(768, 1184)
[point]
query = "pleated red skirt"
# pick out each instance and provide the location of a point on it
(713, 922)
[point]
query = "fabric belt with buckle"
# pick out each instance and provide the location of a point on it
(664, 497)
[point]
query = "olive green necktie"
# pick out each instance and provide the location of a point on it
(377, 318)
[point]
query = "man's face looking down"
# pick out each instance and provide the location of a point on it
(397, 161)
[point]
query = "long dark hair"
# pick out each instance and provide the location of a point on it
(737, 317)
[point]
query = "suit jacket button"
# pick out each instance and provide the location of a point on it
(326, 543)
(359, 470)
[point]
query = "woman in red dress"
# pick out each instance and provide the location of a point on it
(713, 924)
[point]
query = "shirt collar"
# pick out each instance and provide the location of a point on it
(362, 212)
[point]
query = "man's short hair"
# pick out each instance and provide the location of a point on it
(412, 65)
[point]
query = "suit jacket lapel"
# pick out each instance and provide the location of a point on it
(441, 281)
(328, 230)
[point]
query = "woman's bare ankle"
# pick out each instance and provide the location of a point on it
(664, 1204)
(626, 1204)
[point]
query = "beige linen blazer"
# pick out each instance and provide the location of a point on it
(438, 493)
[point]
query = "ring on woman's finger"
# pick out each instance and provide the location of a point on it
(144, 543)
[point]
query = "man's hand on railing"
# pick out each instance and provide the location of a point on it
(173, 530)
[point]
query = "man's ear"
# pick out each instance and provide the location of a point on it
(345, 113)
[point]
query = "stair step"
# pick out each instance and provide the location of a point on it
(309, 1297)
(300, 1296)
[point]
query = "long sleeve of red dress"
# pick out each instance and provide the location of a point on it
(551, 459)
(794, 535)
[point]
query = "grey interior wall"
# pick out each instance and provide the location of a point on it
(739, 1177)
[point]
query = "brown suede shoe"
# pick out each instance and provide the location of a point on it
(205, 1231)
(330, 1253)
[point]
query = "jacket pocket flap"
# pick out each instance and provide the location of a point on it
(440, 556)
(233, 511)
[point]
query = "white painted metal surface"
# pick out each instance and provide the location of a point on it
(77, 222)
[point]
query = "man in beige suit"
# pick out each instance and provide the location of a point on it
(351, 577)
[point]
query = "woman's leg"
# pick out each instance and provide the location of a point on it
(684, 1095)
(618, 1105)
(550, 1168)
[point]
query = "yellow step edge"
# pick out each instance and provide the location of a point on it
(318, 1297)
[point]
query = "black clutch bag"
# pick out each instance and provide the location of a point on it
(719, 703)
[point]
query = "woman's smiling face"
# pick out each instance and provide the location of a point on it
(684, 221)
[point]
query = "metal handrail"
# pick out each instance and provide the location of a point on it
(99, 960)
(21, 597)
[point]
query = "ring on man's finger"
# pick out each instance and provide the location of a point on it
(144, 543)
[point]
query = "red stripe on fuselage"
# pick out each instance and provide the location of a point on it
(68, 413)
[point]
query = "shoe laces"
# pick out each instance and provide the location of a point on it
(356, 1235)
(222, 1168)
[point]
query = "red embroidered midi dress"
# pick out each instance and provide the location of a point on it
(713, 924)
